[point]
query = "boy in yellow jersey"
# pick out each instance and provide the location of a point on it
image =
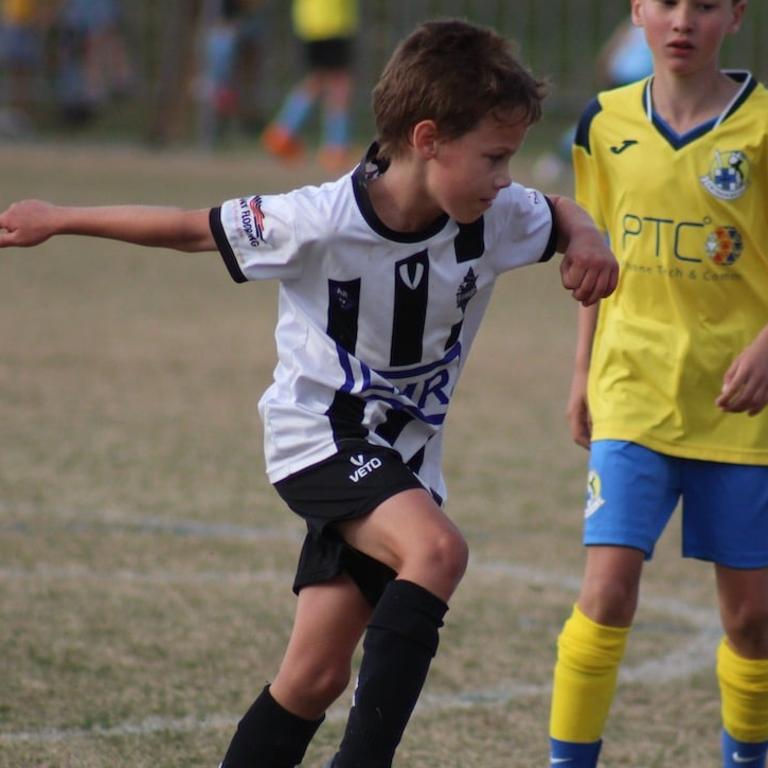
(671, 375)
(326, 29)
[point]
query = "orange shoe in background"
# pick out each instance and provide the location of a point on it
(336, 159)
(278, 142)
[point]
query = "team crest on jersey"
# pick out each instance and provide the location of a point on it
(343, 298)
(728, 175)
(252, 220)
(595, 498)
(467, 290)
(725, 245)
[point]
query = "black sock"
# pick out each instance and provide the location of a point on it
(400, 642)
(269, 736)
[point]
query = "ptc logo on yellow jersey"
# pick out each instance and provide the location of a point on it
(728, 175)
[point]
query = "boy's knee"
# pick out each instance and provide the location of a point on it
(319, 684)
(609, 602)
(747, 630)
(448, 554)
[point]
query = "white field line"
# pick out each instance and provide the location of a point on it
(694, 655)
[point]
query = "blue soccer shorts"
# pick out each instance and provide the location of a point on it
(632, 492)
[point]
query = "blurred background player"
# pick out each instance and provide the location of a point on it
(21, 55)
(94, 64)
(625, 58)
(232, 58)
(326, 30)
(670, 383)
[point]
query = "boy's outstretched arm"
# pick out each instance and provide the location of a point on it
(588, 269)
(31, 222)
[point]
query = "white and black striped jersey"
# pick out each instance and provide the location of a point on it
(374, 326)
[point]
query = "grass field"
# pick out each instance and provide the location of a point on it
(145, 562)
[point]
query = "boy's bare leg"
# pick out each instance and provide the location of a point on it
(413, 536)
(276, 730)
(330, 620)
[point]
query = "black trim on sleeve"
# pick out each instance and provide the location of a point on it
(585, 121)
(551, 248)
(225, 249)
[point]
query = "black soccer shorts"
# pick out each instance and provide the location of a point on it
(348, 485)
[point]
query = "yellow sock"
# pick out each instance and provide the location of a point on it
(587, 666)
(743, 694)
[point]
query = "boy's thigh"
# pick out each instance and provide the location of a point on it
(631, 493)
(725, 513)
(345, 487)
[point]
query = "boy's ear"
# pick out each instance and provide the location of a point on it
(738, 14)
(425, 138)
(637, 15)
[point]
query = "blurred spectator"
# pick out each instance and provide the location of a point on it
(231, 67)
(326, 30)
(93, 64)
(625, 58)
(21, 55)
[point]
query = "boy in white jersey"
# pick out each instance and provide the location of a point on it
(671, 376)
(384, 276)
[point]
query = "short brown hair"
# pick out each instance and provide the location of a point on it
(454, 73)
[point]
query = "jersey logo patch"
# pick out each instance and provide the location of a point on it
(725, 245)
(467, 290)
(252, 220)
(411, 274)
(595, 499)
(343, 297)
(363, 467)
(728, 176)
(626, 144)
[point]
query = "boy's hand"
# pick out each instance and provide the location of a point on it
(29, 222)
(577, 410)
(745, 384)
(589, 269)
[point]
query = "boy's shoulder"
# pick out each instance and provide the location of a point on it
(612, 108)
(624, 97)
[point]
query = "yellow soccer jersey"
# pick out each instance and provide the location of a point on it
(324, 19)
(687, 219)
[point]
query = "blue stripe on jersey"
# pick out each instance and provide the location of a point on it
(396, 397)
(582, 129)
(450, 355)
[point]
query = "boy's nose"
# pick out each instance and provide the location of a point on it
(502, 180)
(683, 17)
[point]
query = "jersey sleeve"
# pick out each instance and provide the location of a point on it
(585, 167)
(524, 232)
(256, 237)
